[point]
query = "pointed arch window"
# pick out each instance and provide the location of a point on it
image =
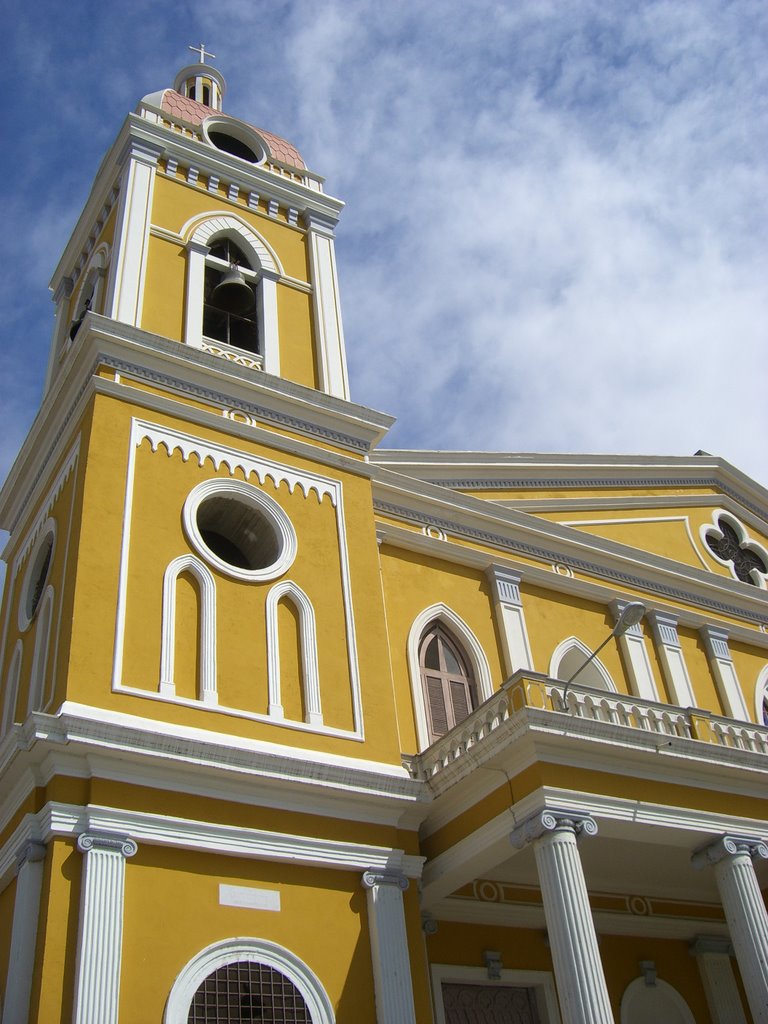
(236, 327)
(449, 688)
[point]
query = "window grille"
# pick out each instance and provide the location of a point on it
(246, 991)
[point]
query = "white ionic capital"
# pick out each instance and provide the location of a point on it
(100, 935)
(664, 627)
(30, 863)
(732, 856)
(636, 660)
(575, 954)
(511, 618)
(724, 672)
(389, 947)
(713, 956)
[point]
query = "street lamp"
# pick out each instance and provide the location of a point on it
(630, 616)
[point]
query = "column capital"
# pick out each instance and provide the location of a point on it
(31, 852)
(106, 842)
(63, 289)
(373, 877)
(664, 626)
(198, 247)
(716, 642)
(142, 151)
(711, 944)
(505, 582)
(319, 222)
(617, 607)
(552, 820)
(729, 846)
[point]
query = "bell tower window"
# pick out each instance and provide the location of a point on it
(230, 298)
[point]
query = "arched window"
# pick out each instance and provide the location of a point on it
(232, 319)
(247, 979)
(449, 688)
(567, 659)
(761, 698)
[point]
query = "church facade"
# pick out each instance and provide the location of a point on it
(299, 728)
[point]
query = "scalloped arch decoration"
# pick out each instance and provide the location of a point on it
(204, 227)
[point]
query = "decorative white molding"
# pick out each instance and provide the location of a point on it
(26, 913)
(206, 627)
(38, 694)
(472, 648)
(125, 289)
(724, 672)
(511, 618)
(603, 678)
(11, 688)
(310, 673)
(389, 947)
(251, 950)
(745, 911)
(761, 696)
(100, 935)
(267, 508)
(636, 660)
(331, 356)
(713, 956)
(670, 651)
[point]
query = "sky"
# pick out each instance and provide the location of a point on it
(555, 237)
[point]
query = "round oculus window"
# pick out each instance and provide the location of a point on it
(36, 576)
(239, 530)
(235, 138)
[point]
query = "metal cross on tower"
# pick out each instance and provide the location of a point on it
(201, 50)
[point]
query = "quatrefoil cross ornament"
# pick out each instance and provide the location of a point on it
(730, 544)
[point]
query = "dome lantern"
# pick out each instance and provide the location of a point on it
(202, 82)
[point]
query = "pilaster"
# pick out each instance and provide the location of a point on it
(724, 672)
(731, 857)
(100, 935)
(635, 653)
(26, 912)
(575, 954)
(331, 357)
(389, 947)
(713, 956)
(670, 652)
(511, 618)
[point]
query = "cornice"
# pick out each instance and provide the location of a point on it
(183, 370)
(464, 517)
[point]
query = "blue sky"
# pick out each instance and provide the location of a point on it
(555, 233)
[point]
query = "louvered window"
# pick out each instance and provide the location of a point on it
(449, 689)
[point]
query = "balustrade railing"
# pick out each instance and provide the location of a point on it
(529, 691)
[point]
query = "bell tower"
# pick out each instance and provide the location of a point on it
(210, 232)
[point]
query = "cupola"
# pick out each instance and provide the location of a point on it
(202, 82)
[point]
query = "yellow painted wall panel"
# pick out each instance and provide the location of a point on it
(162, 311)
(297, 346)
(53, 989)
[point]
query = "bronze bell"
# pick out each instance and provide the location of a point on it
(233, 294)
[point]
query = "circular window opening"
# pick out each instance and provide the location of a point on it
(239, 530)
(37, 576)
(229, 144)
(235, 138)
(238, 533)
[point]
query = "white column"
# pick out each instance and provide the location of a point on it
(573, 941)
(129, 265)
(331, 357)
(664, 628)
(724, 672)
(100, 936)
(635, 654)
(26, 913)
(268, 326)
(389, 947)
(511, 619)
(713, 955)
(60, 327)
(744, 911)
(193, 300)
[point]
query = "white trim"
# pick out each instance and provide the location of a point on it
(635, 655)
(11, 688)
(542, 981)
(206, 627)
(724, 672)
(310, 674)
(573, 643)
(48, 530)
(472, 647)
(634, 988)
(37, 689)
(247, 494)
(745, 541)
(761, 689)
(254, 950)
(329, 332)
(672, 659)
(510, 614)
